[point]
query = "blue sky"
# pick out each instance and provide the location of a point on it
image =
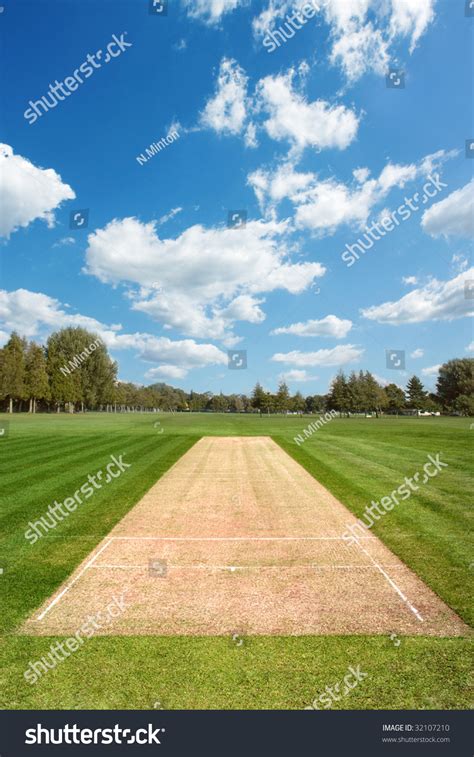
(307, 139)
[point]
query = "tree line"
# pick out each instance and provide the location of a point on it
(74, 372)
(361, 393)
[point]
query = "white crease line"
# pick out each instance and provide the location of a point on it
(391, 582)
(240, 567)
(66, 588)
(240, 538)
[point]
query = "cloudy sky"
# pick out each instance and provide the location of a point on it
(358, 196)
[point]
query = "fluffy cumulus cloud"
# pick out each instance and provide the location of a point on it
(437, 301)
(28, 192)
(304, 123)
(271, 187)
(431, 370)
(360, 48)
(362, 32)
(226, 111)
(35, 315)
(453, 216)
(279, 107)
(166, 372)
(296, 375)
(210, 11)
(203, 281)
(30, 313)
(340, 355)
(330, 326)
(361, 45)
(324, 205)
(417, 353)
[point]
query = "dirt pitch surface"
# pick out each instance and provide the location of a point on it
(237, 538)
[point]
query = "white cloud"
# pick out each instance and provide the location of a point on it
(331, 326)
(470, 347)
(305, 124)
(168, 216)
(35, 315)
(417, 353)
(411, 19)
(410, 280)
(28, 192)
(362, 32)
(460, 262)
(340, 355)
(28, 312)
(453, 216)
(245, 308)
(327, 204)
(279, 107)
(210, 11)
(166, 371)
(226, 111)
(207, 278)
(272, 187)
(437, 301)
(296, 376)
(432, 370)
(359, 49)
(181, 44)
(250, 136)
(65, 242)
(361, 45)
(361, 175)
(185, 353)
(322, 206)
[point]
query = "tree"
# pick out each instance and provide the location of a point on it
(258, 397)
(416, 394)
(64, 381)
(316, 403)
(297, 403)
(219, 403)
(455, 379)
(282, 402)
(395, 398)
(12, 370)
(236, 404)
(268, 402)
(355, 393)
(374, 396)
(36, 376)
(197, 402)
(338, 398)
(464, 404)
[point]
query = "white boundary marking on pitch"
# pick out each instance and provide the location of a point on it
(391, 582)
(232, 568)
(241, 567)
(240, 538)
(74, 580)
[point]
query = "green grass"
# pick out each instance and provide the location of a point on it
(48, 457)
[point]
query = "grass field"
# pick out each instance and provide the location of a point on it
(45, 458)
